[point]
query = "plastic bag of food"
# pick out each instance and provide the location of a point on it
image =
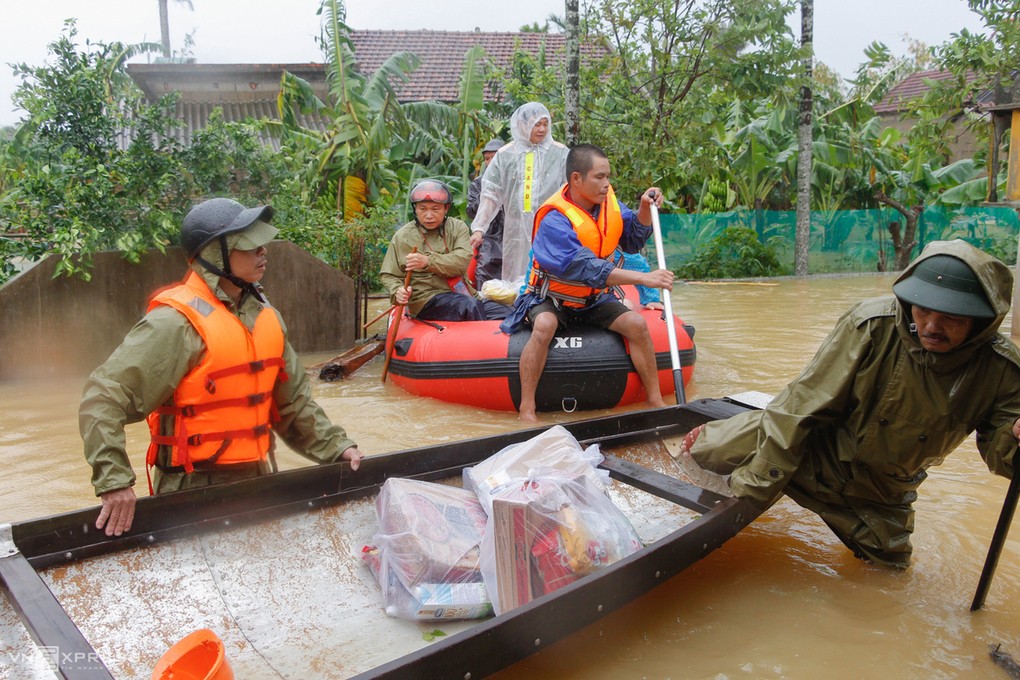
(497, 290)
(554, 449)
(548, 531)
(425, 554)
(427, 601)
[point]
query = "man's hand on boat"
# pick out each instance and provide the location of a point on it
(119, 511)
(352, 455)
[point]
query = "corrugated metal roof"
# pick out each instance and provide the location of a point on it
(194, 116)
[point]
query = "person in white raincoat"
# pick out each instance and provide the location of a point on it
(521, 176)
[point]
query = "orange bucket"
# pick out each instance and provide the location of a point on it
(199, 656)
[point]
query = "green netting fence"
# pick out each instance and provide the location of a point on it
(845, 240)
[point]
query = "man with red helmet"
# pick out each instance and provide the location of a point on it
(436, 249)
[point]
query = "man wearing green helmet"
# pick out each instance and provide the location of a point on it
(899, 383)
(209, 366)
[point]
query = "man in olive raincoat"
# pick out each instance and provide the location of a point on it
(211, 369)
(899, 383)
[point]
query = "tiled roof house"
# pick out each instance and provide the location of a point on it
(896, 103)
(250, 90)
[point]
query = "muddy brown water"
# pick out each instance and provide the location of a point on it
(784, 599)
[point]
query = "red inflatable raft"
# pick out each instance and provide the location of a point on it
(473, 363)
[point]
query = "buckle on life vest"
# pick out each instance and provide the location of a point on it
(256, 399)
(257, 366)
(210, 386)
(261, 430)
(194, 440)
(188, 411)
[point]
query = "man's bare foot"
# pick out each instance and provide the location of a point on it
(656, 403)
(527, 417)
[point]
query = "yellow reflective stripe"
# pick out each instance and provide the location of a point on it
(529, 179)
(574, 216)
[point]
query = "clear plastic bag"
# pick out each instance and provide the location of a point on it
(498, 290)
(425, 554)
(548, 531)
(554, 449)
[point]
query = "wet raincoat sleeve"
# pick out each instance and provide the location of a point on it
(995, 440)
(518, 179)
(474, 194)
(303, 425)
(140, 375)
(764, 448)
(488, 201)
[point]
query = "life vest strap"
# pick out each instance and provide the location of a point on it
(191, 410)
(246, 368)
(183, 442)
(247, 433)
(540, 286)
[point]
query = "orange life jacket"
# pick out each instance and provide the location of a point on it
(601, 237)
(223, 410)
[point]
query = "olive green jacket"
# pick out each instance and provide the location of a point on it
(852, 436)
(449, 251)
(142, 374)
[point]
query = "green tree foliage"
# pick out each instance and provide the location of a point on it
(733, 254)
(374, 146)
(95, 168)
(671, 71)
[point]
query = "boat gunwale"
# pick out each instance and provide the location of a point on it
(71, 536)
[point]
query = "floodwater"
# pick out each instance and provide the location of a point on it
(784, 599)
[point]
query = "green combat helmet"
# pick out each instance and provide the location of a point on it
(943, 283)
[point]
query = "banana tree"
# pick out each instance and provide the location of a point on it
(350, 163)
(444, 138)
(751, 149)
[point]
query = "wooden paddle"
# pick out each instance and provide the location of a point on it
(998, 538)
(674, 354)
(379, 316)
(391, 341)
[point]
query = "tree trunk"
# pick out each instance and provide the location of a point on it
(572, 92)
(903, 244)
(164, 27)
(804, 139)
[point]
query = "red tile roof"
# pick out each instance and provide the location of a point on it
(442, 56)
(249, 90)
(909, 89)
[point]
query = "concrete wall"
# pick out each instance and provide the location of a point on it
(962, 143)
(50, 327)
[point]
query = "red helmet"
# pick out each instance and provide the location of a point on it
(431, 190)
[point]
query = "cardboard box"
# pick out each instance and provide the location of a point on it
(514, 535)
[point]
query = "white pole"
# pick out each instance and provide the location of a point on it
(674, 354)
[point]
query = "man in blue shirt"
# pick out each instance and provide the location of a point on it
(573, 272)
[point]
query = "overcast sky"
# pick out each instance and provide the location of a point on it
(283, 31)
